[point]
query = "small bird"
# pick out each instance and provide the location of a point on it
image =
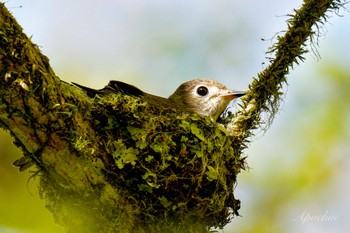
(202, 96)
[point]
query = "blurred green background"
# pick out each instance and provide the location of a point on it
(297, 180)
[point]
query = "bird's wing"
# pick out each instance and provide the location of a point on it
(117, 86)
(121, 87)
(112, 87)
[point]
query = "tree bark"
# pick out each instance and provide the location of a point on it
(117, 164)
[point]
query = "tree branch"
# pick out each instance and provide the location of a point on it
(117, 164)
(266, 91)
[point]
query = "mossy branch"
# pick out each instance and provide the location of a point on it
(112, 164)
(117, 164)
(266, 93)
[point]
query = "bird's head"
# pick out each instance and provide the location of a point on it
(204, 97)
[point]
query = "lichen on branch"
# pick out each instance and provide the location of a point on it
(263, 100)
(118, 164)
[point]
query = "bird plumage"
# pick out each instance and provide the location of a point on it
(202, 96)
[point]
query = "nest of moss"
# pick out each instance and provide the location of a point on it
(175, 166)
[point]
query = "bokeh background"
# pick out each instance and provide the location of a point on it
(298, 179)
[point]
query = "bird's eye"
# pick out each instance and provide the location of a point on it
(202, 91)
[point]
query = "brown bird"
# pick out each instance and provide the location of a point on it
(202, 96)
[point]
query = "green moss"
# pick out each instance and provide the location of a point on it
(174, 164)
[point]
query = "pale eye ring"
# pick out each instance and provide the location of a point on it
(202, 91)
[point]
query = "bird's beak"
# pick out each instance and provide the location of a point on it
(233, 94)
